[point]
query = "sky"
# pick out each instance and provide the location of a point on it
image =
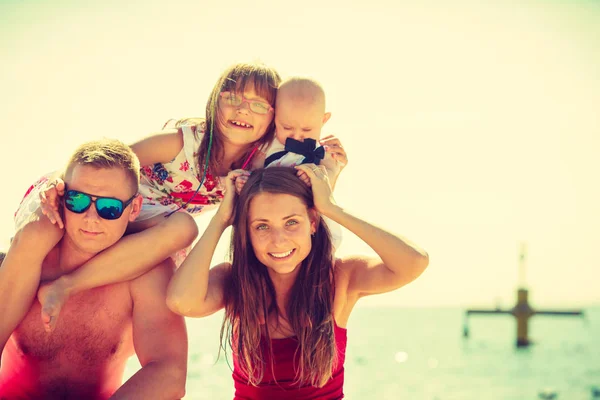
(471, 128)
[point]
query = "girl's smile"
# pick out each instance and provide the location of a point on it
(241, 125)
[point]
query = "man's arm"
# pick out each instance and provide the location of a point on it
(159, 338)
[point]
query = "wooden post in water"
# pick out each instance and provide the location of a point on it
(522, 311)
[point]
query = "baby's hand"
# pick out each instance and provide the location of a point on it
(334, 147)
(335, 157)
(49, 198)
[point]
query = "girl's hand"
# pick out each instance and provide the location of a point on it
(225, 212)
(321, 188)
(49, 201)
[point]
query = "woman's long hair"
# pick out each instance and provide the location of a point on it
(264, 80)
(251, 296)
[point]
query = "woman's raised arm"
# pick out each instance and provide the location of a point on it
(400, 261)
(196, 290)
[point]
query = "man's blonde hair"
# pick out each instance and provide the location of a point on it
(106, 153)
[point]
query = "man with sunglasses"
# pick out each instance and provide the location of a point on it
(85, 356)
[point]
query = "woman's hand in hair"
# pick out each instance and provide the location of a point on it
(240, 181)
(225, 212)
(321, 188)
(303, 177)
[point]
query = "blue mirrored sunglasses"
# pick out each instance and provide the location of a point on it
(106, 207)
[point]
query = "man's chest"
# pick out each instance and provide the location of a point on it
(93, 326)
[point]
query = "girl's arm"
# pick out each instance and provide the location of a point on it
(400, 261)
(21, 270)
(160, 147)
(196, 290)
(129, 258)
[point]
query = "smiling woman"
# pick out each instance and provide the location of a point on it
(280, 228)
(287, 300)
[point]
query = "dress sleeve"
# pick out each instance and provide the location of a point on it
(31, 201)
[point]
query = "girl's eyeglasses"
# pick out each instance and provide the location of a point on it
(236, 100)
(106, 207)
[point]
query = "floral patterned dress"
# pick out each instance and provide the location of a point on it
(30, 202)
(172, 186)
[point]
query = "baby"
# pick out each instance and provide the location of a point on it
(299, 117)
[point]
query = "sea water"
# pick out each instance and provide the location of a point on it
(421, 354)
